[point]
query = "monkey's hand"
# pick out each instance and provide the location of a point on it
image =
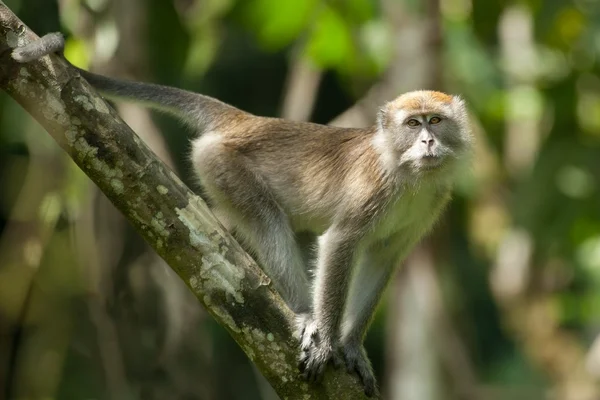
(306, 328)
(316, 351)
(356, 360)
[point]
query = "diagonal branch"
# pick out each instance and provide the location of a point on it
(168, 215)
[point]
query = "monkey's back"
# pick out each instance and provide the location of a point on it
(314, 171)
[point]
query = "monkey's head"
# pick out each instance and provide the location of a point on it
(423, 132)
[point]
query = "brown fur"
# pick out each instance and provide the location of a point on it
(427, 100)
(317, 167)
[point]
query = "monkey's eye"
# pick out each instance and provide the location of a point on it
(413, 122)
(435, 120)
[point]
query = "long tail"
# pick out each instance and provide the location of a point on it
(196, 109)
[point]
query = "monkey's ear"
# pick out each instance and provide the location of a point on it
(461, 115)
(383, 118)
(459, 106)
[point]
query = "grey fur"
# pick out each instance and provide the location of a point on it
(50, 43)
(368, 195)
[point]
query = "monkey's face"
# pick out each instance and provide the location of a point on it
(426, 131)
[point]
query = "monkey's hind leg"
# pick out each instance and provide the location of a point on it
(266, 229)
(244, 202)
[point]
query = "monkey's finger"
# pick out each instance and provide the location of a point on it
(307, 373)
(310, 372)
(302, 361)
(311, 336)
(316, 373)
(301, 366)
(307, 343)
(314, 370)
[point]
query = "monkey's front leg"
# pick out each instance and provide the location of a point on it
(374, 271)
(320, 337)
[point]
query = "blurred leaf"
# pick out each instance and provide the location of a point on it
(575, 182)
(552, 64)
(70, 15)
(76, 52)
(355, 11)
(588, 110)
(277, 23)
(472, 66)
(588, 254)
(570, 23)
(376, 40)
(204, 45)
(578, 308)
(330, 43)
(584, 228)
(525, 102)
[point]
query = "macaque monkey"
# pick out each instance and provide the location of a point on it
(369, 195)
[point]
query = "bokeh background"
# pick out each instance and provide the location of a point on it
(501, 302)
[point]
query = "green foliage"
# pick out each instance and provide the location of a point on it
(330, 42)
(277, 23)
(340, 35)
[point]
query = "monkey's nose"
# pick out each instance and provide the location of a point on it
(428, 143)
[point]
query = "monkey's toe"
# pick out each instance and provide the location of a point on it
(314, 361)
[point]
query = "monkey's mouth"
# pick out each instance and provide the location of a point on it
(431, 161)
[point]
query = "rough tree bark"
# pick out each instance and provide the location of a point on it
(168, 215)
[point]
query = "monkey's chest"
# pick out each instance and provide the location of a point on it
(410, 211)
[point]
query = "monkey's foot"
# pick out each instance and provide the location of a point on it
(356, 360)
(314, 360)
(315, 352)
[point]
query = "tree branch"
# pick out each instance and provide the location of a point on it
(168, 215)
